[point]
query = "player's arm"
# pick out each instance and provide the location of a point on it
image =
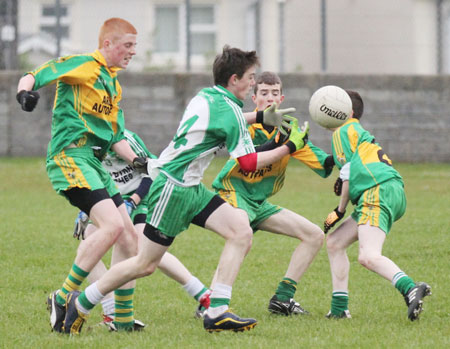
(297, 140)
(26, 97)
(339, 212)
(123, 149)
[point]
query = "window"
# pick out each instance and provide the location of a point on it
(48, 20)
(203, 36)
(170, 25)
(167, 35)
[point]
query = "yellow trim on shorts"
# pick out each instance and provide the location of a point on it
(371, 207)
(229, 196)
(71, 171)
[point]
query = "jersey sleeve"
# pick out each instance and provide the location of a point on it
(72, 70)
(137, 144)
(238, 139)
(314, 158)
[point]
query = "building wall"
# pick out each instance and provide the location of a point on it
(363, 37)
(409, 115)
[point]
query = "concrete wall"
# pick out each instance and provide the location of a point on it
(409, 115)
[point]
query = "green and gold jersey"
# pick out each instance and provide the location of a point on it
(267, 181)
(369, 166)
(86, 107)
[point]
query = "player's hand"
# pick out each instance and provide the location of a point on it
(338, 186)
(130, 205)
(329, 162)
(81, 222)
(276, 117)
(332, 218)
(140, 164)
(298, 136)
(28, 99)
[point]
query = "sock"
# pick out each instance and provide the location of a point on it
(195, 288)
(90, 297)
(220, 300)
(108, 306)
(339, 302)
(72, 283)
(403, 282)
(286, 289)
(124, 311)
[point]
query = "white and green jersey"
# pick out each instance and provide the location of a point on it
(212, 120)
(123, 174)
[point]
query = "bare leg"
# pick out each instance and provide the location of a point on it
(371, 240)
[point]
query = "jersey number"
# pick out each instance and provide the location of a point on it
(181, 138)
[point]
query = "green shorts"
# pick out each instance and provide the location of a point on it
(257, 211)
(171, 207)
(79, 168)
(381, 205)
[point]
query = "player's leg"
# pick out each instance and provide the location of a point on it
(96, 273)
(232, 224)
(150, 253)
(173, 268)
(288, 223)
(337, 244)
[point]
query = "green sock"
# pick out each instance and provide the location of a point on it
(72, 283)
(403, 282)
(124, 311)
(200, 294)
(286, 289)
(217, 302)
(339, 302)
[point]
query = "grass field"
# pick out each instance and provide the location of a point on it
(37, 249)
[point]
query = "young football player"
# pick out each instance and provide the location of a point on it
(250, 190)
(367, 179)
(86, 123)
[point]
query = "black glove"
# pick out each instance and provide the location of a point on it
(140, 164)
(332, 219)
(27, 99)
(329, 162)
(338, 186)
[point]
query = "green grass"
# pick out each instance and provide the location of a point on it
(37, 249)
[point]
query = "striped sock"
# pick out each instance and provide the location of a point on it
(286, 289)
(124, 311)
(339, 302)
(402, 282)
(220, 300)
(72, 283)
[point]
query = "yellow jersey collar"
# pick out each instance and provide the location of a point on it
(101, 59)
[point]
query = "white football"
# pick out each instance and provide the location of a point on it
(330, 106)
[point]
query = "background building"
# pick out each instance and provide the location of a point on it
(308, 36)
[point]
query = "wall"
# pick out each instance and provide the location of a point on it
(409, 115)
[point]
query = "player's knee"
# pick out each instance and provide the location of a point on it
(314, 236)
(367, 260)
(333, 244)
(144, 266)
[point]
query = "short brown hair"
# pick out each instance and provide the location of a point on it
(357, 103)
(232, 61)
(113, 28)
(268, 78)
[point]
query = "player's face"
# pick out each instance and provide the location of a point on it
(244, 85)
(122, 50)
(266, 95)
